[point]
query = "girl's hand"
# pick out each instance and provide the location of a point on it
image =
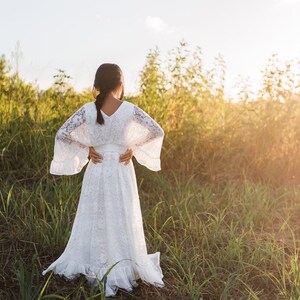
(94, 155)
(126, 156)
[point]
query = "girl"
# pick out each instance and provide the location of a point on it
(108, 226)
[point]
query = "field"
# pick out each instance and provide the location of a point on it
(223, 211)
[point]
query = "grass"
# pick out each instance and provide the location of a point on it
(223, 211)
(237, 241)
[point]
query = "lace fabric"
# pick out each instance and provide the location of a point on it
(155, 131)
(64, 133)
(149, 138)
(108, 225)
(71, 146)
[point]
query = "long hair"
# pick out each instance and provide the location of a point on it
(107, 78)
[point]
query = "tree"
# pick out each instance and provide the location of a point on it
(152, 78)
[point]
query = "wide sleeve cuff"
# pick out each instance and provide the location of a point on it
(146, 159)
(68, 159)
(68, 167)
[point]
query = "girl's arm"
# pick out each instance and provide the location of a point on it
(71, 148)
(147, 146)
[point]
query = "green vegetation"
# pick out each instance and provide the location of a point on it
(223, 211)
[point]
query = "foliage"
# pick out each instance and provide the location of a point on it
(223, 210)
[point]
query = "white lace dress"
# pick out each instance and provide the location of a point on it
(108, 225)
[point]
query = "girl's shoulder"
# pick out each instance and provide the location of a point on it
(91, 111)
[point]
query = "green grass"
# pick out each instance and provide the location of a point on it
(236, 241)
(223, 211)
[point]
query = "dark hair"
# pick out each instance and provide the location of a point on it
(107, 78)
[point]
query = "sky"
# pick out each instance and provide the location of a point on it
(78, 36)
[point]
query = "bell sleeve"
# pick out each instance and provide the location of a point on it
(148, 138)
(71, 146)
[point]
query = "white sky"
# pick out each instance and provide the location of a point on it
(78, 36)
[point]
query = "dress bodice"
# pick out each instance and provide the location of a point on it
(128, 127)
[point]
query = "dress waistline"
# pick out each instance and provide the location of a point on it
(111, 154)
(111, 148)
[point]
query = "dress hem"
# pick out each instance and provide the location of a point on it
(124, 277)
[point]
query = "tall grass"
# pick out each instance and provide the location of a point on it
(223, 210)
